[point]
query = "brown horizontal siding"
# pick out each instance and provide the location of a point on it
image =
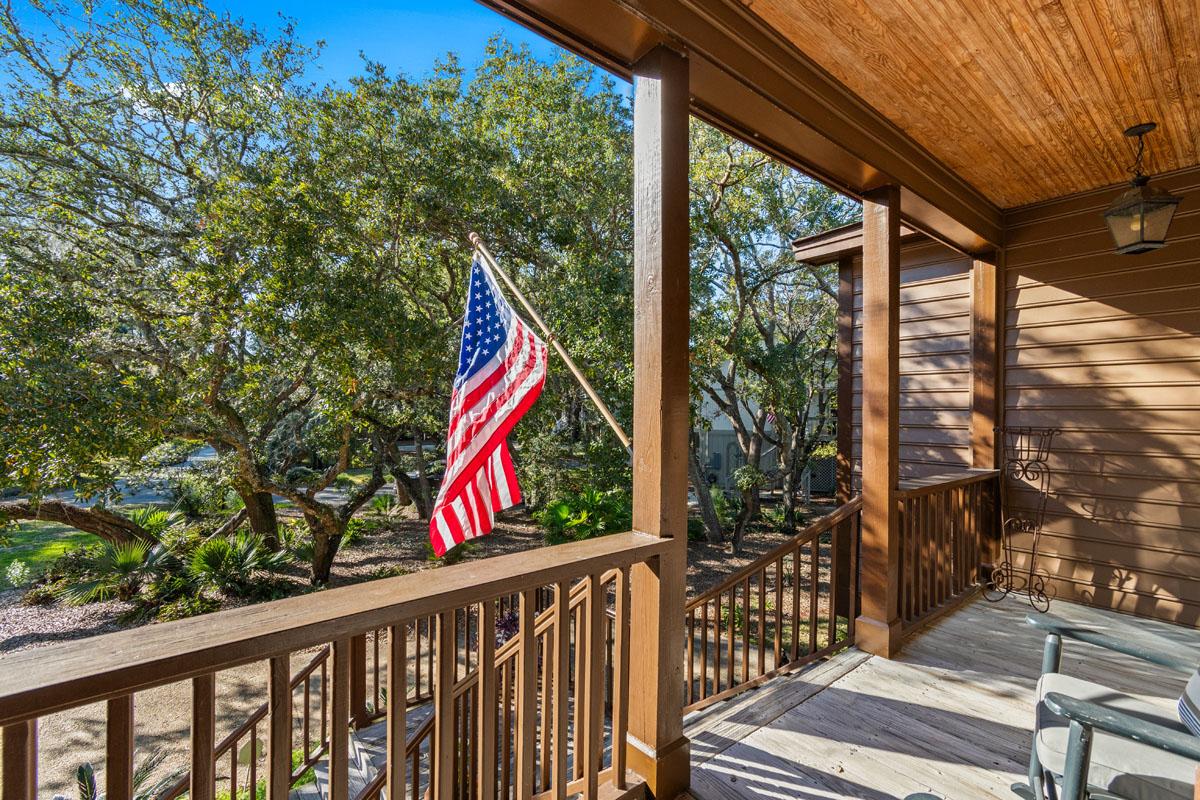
(935, 361)
(1107, 348)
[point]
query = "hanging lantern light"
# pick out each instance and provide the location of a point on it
(1139, 218)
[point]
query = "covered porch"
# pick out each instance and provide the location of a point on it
(952, 714)
(857, 660)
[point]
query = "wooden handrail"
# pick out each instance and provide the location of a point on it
(46, 680)
(940, 483)
(813, 529)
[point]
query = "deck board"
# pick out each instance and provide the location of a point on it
(952, 715)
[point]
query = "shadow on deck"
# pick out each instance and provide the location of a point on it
(953, 715)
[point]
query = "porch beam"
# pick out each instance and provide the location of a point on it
(877, 629)
(658, 750)
(750, 82)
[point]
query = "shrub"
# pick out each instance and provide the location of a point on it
(42, 595)
(452, 556)
(19, 574)
(585, 515)
(154, 521)
(85, 779)
(168, 453)
(118, 572)
(195, 494)
(300, 476)
(72, 565)
(383, 504)
(726, 507)
(231, 564)
(695, 530)
(187, 606)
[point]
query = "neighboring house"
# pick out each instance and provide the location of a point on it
(721, 455)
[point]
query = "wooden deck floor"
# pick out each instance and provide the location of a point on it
(952, 715)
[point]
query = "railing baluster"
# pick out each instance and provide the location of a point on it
(689, 690)
(545, 703)
(746, 630)
(703, 687)
(204, 734)
(813, 581)
(762, 621)
(562, 654)
(19, 761)
(620, 710)
(577, 684)
(779, 611)
(358, 680)
(486, 711)
(279, 740)
(442, 748)
(594, 693)
(397, 710)
(339, 721)
(526, 698)
(731, 633)
(794, 647)
(118, 763)
(252, 784)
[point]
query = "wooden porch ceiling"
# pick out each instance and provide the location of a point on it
(1026, 99)
(970, 107)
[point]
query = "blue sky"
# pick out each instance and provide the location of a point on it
(406, 36)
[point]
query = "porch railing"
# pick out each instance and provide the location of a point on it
(539, 710)
(946, 523)
(786, 609)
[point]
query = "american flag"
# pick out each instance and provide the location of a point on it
(501, 369)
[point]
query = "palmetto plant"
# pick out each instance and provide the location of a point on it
(118, 572)
(230, 564)
(154, 521)
(85, 778)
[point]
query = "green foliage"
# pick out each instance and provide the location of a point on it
(143, 789)
(748, 477)
(726, 507)
(196, 493)
(695, 530)
(585, 515)
(118, 572)
(300, 476)
(184, 607)
(43, 594)
(19, 574)
(384, 504)
(231, 564)
(155, 521)
(452, 556)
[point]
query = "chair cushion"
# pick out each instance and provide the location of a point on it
(1189, 704)
(1119, 766)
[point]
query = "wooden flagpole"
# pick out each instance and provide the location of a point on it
(483, 251)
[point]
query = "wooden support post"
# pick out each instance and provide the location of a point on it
(987, 391)
(877, 629)
(18, 760)
(279, 720)
(118, 761)
(845, 429)
(204, 737)
(657, 748)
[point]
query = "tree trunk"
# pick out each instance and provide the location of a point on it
(327, 539)
(708, 512)
(400, 483)
(260, 511)
(106, 524)
(230, 525)
(424, 490)
(748, 512)
(790, 475)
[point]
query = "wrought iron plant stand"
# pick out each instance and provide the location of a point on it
(1026, 464)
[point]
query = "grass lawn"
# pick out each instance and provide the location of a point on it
(38, 543)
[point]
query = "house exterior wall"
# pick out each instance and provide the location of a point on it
(1107, 348)
(935, 361)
